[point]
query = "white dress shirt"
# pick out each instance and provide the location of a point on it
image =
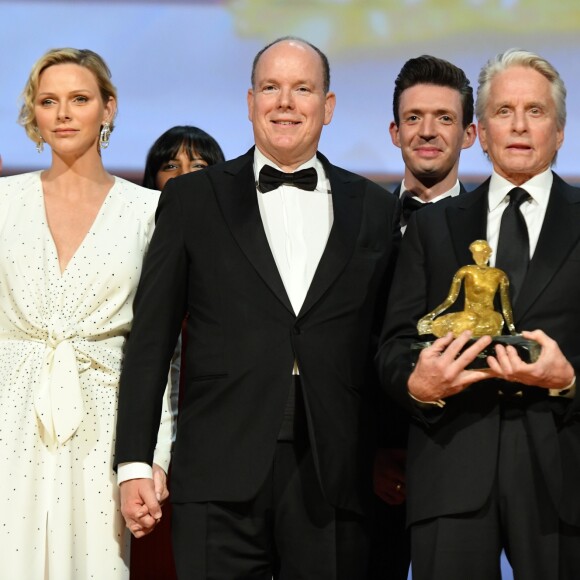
(533, 210)
(297, 224)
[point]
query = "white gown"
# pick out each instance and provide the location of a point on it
(61, 341)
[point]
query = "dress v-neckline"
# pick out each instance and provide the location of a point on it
(62, 272)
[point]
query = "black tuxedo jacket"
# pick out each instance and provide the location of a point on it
(209, 257)
(452, 452)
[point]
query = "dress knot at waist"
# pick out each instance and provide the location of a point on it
(64, 355)
(55, 337)
(58, 399)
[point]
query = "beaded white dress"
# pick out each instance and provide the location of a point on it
(61, 343)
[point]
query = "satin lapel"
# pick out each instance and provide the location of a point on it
(347, 203)
(559, 234)
(235, 190)
(467, 221)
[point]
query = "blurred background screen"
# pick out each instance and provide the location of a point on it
(188, 62)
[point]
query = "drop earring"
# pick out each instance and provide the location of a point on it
(39, 141)
(105, 135)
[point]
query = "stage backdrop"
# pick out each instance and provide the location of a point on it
(188, 62)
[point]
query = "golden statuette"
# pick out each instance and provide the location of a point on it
(481, 283)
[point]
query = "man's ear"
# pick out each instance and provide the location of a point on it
(250, 100)
(394, 131)
(469, 136)
(329, 105)
(482, 136)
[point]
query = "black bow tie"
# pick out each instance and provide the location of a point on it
(410, 204)
(271, 178)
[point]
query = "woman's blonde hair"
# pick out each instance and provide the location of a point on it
(83, 57)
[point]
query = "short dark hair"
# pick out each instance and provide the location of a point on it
(167, 146)
(430, 70)
(323, 59)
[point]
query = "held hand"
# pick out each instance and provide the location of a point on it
(139, 506)
(389, 475)
(441, 369)
(551, 371)
(160, 484)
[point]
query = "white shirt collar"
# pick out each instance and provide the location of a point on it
(451, 193)
(538, 187)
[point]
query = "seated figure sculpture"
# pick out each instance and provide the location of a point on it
(481, 283)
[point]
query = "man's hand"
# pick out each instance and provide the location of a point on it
(160, 484)
(139, 506)
(389, 475)
(551, 371)
(441, 369)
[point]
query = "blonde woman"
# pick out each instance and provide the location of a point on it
(72, 239)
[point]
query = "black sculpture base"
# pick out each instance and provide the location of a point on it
(528, 350)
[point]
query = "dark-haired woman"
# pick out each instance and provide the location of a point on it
(181, 149)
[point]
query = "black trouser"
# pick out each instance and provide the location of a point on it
(518, 517)
(288, 531)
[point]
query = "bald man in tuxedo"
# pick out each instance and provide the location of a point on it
(279, 258)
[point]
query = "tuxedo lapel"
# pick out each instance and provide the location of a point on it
(467, 221)
(347, 202)
(559, 234)
(235, 189)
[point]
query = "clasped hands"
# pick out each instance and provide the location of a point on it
(441, 370)
(141, 501)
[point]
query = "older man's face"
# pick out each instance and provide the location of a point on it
(288, 106)
(520, 131)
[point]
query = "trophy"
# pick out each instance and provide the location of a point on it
(481, 283)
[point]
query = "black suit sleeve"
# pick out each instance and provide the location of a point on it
(159, 309)
(407, 303)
